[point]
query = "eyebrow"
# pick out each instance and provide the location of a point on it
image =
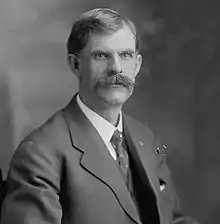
(100, 51)
(127, 51)
(109, 52)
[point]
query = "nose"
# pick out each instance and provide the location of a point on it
(116, 65)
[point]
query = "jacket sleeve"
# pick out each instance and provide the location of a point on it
(33, 185)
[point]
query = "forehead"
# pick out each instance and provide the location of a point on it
(123, 39)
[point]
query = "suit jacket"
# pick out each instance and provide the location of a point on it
(62, 173)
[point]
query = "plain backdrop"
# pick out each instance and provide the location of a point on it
(177, 90)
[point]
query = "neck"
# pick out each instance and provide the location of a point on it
(108, 112)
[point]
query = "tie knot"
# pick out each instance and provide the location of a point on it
(117, 137)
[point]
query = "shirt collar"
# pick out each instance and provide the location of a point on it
(104, 128)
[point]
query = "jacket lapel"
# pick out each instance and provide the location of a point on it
(96, 158)
(141, 140)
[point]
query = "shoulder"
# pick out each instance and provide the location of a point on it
(38, 157)
(49, 131)
(43, 141)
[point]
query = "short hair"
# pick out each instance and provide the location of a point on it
(97, 20)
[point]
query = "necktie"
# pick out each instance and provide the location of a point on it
(122, 155)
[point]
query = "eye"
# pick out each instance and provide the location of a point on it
(100, 55)
(126, 55)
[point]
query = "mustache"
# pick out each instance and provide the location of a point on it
(117, 79)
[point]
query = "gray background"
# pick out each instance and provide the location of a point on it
(178, 88)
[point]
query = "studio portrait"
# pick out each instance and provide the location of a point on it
(109, 112)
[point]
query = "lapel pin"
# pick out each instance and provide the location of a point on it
(160, 148)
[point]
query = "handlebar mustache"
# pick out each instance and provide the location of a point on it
(117, 79)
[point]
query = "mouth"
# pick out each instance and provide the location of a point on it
(116, 85)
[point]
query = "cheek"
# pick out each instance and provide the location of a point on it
(129, 69)
(92, 72)
(99, 67)
(98, 70)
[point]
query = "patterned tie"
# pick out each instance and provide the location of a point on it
(122, 155)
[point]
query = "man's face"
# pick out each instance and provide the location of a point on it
(104, 57)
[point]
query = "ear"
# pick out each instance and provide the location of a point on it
(74, 64)
(138, 63)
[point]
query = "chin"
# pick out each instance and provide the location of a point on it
(114, 97)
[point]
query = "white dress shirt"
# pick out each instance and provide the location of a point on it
(104, 128)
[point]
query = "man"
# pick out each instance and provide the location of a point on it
(90, 163)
